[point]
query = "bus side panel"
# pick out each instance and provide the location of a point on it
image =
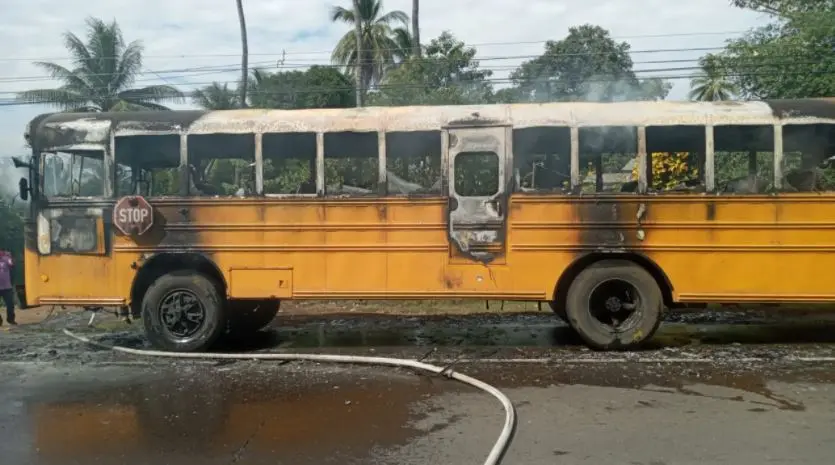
(335, 248)
(745, 249)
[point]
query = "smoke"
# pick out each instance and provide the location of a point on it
(9, 178)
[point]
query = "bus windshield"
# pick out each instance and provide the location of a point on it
(77, 174)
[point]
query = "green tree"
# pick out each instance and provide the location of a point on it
(316, 87)
(216, 97)
(792, 57)
(446, 74)
(11, 236)
(379, 41)
(588, 65)
(712, 84)
(103, 71)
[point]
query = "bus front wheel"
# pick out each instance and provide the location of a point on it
(614, 304)
(183, 311)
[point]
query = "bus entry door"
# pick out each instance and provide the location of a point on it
(477, 165)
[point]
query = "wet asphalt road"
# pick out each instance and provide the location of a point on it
(767, 399)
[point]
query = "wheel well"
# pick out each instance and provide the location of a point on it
(567, 277)
(161, 264)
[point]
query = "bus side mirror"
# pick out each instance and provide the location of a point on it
(24, 189)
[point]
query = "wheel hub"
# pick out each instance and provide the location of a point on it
(613, 304)
(182, 313)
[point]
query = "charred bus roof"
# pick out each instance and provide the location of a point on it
(92, 131)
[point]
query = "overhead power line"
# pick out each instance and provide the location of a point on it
(235, 68)
(217, 69)
(12, 102)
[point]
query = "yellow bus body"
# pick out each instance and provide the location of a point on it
(699, 247)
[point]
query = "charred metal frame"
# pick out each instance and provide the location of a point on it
(76, 132)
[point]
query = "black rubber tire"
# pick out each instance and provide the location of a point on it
(560, 312)
(249, 316)
(596, 335)
(206, 292)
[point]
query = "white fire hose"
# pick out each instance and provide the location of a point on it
(496, 453)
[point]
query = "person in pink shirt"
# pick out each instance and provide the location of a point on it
(6, 288)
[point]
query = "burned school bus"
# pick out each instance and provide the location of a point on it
(202, 222)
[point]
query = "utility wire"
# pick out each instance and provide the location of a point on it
(12, 102)
(218, 69)
(328, 52)
(764, 64)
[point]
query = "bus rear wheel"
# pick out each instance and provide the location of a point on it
(249, 316)
(614, 305)
(183, 311)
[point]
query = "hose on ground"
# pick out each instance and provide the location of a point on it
(493, 458)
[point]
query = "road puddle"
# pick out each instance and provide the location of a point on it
(220, 416)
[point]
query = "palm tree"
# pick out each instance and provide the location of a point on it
(244, 54)
(380, 50)
(416, 28)
(103, 71)
(216, 97)
(404, 45)
(712, 84)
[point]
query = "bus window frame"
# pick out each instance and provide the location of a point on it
(41, 155)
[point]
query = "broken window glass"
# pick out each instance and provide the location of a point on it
(413, 161)
(76, 174)
(148, 165)
(221, 165)
(744, 159)
(289, 163)
(675, 158)
(542, 159)
(808, 158)
(351, 162)
(608, 159)
(476, 174)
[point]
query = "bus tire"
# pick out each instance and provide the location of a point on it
(183, 311)
(249, 316)
(604, 293)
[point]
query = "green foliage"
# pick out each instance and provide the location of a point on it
(104, 68)
(216, 97)
(316, 87)
(588, 65)
(793, 57)
(11, 236)
(446, 74)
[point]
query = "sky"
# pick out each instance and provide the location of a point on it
(189, 43)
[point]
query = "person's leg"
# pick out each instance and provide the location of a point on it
(8, 299)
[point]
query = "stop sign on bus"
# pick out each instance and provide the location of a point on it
(133, 215)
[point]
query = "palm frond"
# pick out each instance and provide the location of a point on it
(127, 66)
(345, 53)
(79, 54)
(342, 14)
(393, 17)
(71, 79)
(60, 98)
